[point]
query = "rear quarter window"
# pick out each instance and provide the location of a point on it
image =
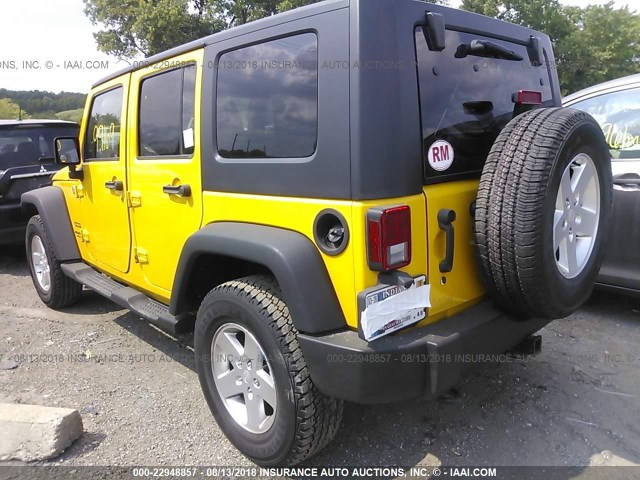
(267, 99)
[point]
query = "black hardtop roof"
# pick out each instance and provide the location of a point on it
(289, 16)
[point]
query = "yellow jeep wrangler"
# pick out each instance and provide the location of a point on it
(347, 201)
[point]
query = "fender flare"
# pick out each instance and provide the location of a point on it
(52, 208)
(292, 258)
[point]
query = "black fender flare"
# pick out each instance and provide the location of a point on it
(52, 208)
(292, 258)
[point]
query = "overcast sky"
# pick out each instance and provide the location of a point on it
(55, 38)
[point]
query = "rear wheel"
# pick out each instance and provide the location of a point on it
(543, 212)
(54, 288)
(254, 376)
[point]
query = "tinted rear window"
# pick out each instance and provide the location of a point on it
(30, 145)
(467, 100)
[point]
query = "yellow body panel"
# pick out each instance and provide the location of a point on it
(457, 290)
(349, 271)
(295, 214)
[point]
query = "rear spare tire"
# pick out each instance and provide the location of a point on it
(543, 212)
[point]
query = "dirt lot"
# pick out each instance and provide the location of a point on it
(577, 403)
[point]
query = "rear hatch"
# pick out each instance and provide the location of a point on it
(469, 90)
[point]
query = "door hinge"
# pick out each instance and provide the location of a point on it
(85, 235)
(140, 255)
(77, 191)
(135, 199)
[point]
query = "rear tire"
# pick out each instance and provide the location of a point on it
(543, 212)
(292, 425)
(54, 288)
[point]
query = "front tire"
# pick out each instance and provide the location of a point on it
(54, 288)
(254, 376)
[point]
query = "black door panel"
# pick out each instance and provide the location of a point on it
(621, 265)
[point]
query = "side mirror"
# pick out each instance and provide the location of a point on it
(67, 150)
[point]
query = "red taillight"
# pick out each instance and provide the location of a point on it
(389, 237)
(528, 97)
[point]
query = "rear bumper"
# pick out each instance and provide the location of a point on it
(425, 361)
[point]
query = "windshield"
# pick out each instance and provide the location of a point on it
(24, 145)
(466, 95)
(618, 114)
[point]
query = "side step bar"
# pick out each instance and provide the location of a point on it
(128, 297)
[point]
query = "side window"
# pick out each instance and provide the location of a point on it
(102, 141)
(166, 113)
(618, 114)
(267, 99)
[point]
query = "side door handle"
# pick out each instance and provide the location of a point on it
(183, 190)
(631, 182)
(446, 217)
(116, 185)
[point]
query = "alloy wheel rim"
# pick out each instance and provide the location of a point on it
(243, 378)
(40, 262)
(577, 216)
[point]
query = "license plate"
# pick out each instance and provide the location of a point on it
(384, 324)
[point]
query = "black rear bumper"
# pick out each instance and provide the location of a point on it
(425, 361)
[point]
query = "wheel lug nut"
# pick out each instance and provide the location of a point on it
(256, 383)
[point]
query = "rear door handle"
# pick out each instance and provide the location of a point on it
(632, 183)
(116, 185)
(446, 217)
(183, 190)
(626, 181)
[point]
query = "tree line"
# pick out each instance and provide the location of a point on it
(40, 104)
(591, 44)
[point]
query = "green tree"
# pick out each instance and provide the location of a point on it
(10, 110)
(543, 15)
(591, 44)
(604, 45)
(130, 28)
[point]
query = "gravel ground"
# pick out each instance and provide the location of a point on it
(577, 403)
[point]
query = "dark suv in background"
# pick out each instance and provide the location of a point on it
(26, 162)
